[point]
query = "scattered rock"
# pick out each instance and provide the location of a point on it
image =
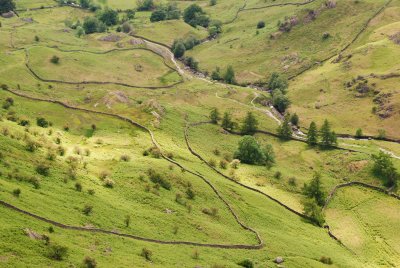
(136, 41)
(8, 15)
(28, 20)
(395, 38)
(168, 211)
(278, 260)
(110, 38)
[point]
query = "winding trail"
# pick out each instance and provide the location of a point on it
(260, 243)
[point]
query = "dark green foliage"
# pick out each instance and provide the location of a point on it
(194, 15)
(146, 253)
(260, 24)
(108, 16)
(285, 130)
(51, 229)
(280, 101)
(314, 190)
(191, 63)
(326, 260)
(145, 5)
(41, 122)
(359, 133)
(276, 81)
(312, 135)
(178, 48)
(312, 210)
(158, 179)
(294, 119)
(214, 28)
(93, 25)
(227, 121)
(158, 15)
(6, 6)
(229, 76)
(213, 2)
(250, 152)
(89, 262)
(78, 187)
(130, 14)
(384, 168)
(55, 59)
(190, 42)
(328, 137)
(57, 252)
(87, 210)
(190, 193)
(43, 169)
(24, 123)
(250, 124)
(216, 75)
(84, 3)
(246, 263)
(16, 192)
(214, 116)
(127, 220)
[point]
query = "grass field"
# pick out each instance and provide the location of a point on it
(115, 149)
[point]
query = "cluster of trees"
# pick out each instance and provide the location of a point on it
(277, 85)
(325, 136)
(250, 152)
(145, 5)
(228, 76)
(180, 46)
(6, 6)
(195, 16)
(169, 11)
(314, 200)
(248, 127)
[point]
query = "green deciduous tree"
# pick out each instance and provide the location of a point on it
(178, 48)
(384, 168)
(194, 15)
(250, 124)
(227, 121)
(6, 6)
(276, 81)
(285, 130)
(249, 151)
(108, 16)
(280, 101)
(313, 211)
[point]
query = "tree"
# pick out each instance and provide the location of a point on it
(178, 48)
(144, 5)
(194, 15)
(260, 24)
(314, 190)
(383, 167)
(269, 155)
(313, 211)
(359, 133)
(294, 119)
(229, 75)
(213, 2)
(280, 101)
(227, 121)
(130, 14)
(214, 28)
(6, 6)
(214, 116)
(328, 137)
(93, 25)
(249, 151)
(312, 135)
(215, 75)
(250, 124)
(285, 130)
(80, 31)
(85, 3)
(276, 81)
(41, 122)
(158, 15)
(108, 16)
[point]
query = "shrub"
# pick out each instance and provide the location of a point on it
(57, 252)
(313, 211)
(249, 151)
(190, 193)
(178, 48)
(194, 15)
(384, 168)
(31, 146)
(294, 119)
(16, 192)
(223, 164)
(87, 210)
(89, 262)
(158, 179)
(158, 15)
(51, 229)
(260, 24)
(292, 181)
(43, 169)
(144, 5)
(6, 6)
(235, 163)
(78, 187)
(91, 192)
(127, 220)
(42, 122)
(213, 2)
(35, 182)
(93, 25)
(109, 183)
(229, 76)
(104, 174)
(246, 263)
(359, 133)
(326, 260)
(146, 253)
(278, 175)
(212, 212)
(125, 158)
(108, 16)
(55, 59)
(126, 27)
(212, 162)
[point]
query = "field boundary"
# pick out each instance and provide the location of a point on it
(260, 243)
